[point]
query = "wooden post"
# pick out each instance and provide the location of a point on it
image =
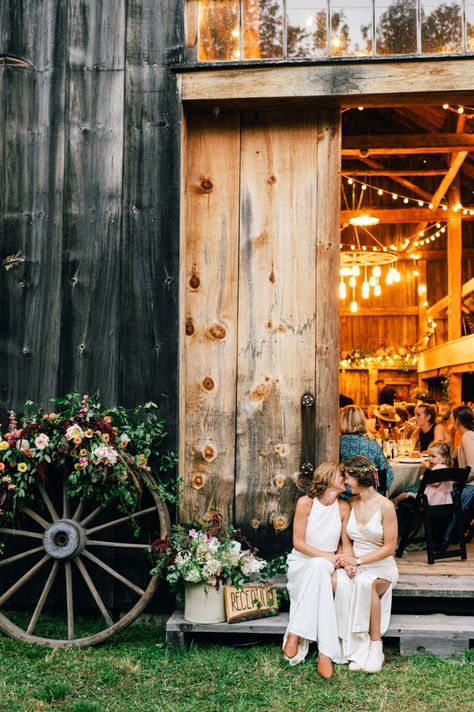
(454, 269)
(422, 297)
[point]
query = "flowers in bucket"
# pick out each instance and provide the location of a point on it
(208, 553)
(104, 453)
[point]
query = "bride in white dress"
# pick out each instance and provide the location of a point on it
(319, 530)
(372, 526)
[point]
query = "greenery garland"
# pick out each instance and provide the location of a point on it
(403, 358)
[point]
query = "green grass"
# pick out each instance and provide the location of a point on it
(134, 672)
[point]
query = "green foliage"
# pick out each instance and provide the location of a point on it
(103, 452)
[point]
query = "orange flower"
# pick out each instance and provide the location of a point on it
(2, 466)
(27, 453)
(77, 441)
(12, 464)
(83, 452)
(52, 416)
(73, 453)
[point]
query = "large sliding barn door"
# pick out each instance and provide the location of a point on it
(261, 246)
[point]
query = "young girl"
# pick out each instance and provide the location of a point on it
(439, 457)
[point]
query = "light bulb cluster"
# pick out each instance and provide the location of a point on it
(459, 109)
(372, 276)
(394, 195)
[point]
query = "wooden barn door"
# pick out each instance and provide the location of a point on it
(261, 314)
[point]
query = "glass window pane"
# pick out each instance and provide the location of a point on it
(263, 29)
(395, 24)
(351, 27)
(470, 25)
(307, 28)
(218, 30)
(441, 26)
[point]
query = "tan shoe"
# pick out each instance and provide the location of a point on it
(291, 645)
(324, 667)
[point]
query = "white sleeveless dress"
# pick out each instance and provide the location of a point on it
(312, 609)
(366, 539)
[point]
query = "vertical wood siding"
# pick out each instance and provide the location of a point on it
(89, 181)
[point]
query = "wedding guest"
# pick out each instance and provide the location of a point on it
(428, 429)
(439, 458)
(464, 424)
(387, 420)
(353, 440)
(319, 530)
(372, 526)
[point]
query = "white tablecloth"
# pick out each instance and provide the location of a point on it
(404, 475)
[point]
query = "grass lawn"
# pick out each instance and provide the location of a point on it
(134, 672)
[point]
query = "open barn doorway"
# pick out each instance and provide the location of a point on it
(407, 239)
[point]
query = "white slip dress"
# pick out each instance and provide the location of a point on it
(312, 608)
(366, 540)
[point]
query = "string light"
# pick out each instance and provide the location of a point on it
(395, 196)
(460, 110)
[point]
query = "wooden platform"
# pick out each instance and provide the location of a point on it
(434, 634)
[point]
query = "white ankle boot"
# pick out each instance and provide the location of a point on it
(376, 657)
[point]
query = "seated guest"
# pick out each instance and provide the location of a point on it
(428, 429)
(406, 428)
(439, 458)
(371, 420)
(353, 440)
(464, 424)
(387, 419)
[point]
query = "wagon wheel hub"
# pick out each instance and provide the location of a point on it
(64, 539)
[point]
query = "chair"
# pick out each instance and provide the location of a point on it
(410, 510)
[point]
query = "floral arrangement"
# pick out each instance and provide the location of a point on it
(103, 452)
(403, 358)
(207, 553)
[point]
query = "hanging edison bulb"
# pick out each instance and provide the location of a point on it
(377, 271)
(377, 290)
(355, 270)
(342, 289)
(352, 281)
(372, 281)
(354, 307)
(365, 290)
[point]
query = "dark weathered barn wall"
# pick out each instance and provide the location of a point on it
(89, 190)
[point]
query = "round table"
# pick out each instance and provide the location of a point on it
(404, 475)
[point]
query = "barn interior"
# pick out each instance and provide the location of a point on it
(407, 179)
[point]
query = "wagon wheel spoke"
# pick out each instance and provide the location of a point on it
(23, 555)
(43, 597)
(23, 580)
(48, 503)
(95, 512)
(94, 591)
(78, 511)
(69, 601)
(117, 544)
(113, 573)
(65, 499)
(127, 518)
(37, 517)
(20, 532)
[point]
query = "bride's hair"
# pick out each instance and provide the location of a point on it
(362, 468)
(323, 478)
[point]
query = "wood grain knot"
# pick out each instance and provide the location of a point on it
(282, 449)
(259, 392)
(206, 186)
(208, 383)
(281, 328)
(272, 277)
(281, 522)
(217, 331)
(189, 327)
(198, 481)
(271, 180)
(206, 449)
(194, 282)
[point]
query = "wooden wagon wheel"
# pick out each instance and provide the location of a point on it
(69, 548)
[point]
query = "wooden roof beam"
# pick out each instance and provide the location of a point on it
(365, 146)
(393, 172)
(401, 181)
(402, 215)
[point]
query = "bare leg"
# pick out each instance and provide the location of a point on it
(379, 587)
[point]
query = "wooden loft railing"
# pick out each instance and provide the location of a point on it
(454, 356)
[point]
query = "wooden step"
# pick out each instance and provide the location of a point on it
(435, 634)
(430, 586)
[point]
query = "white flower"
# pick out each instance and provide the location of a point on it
(74, 431)
(22, 445)
(104, 455)
(213, 544)
(124, 439)
(250, 565)
(192, 576)
(212, 568)
(202, 552)
(42, 441)
(182, 558)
